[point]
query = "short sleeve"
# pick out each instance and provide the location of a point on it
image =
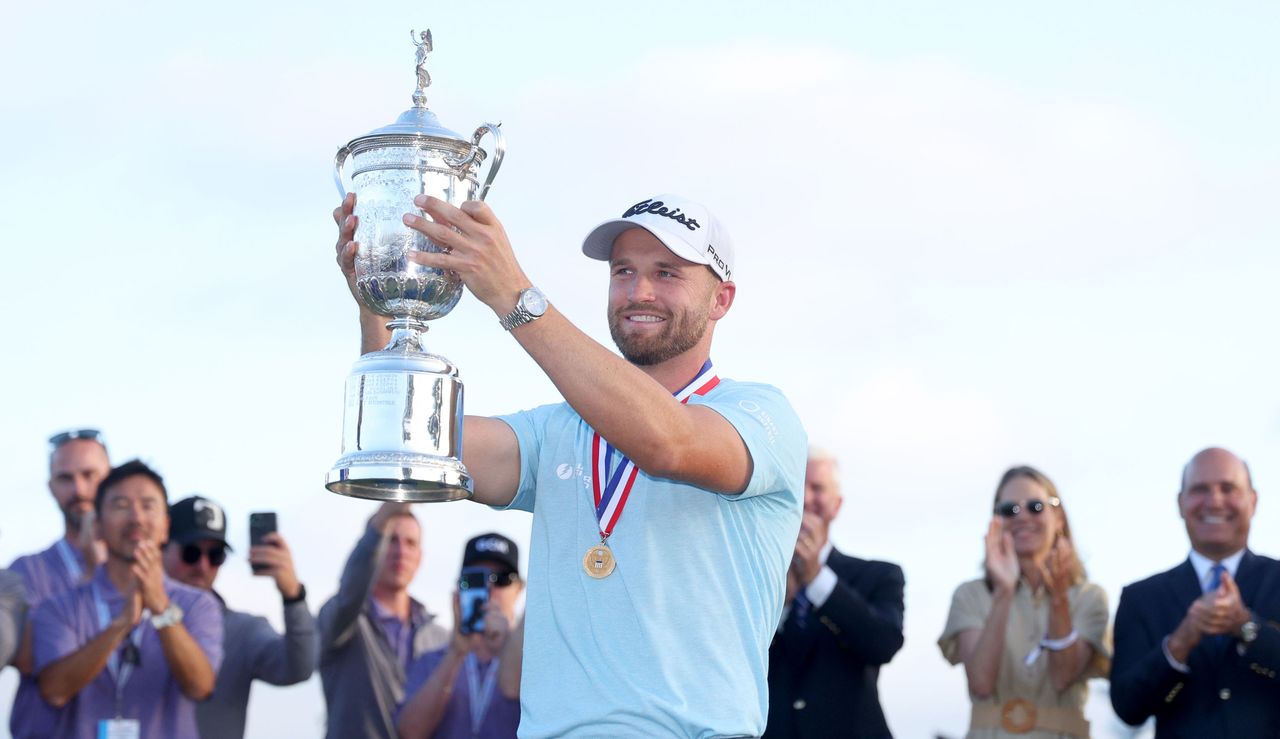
(970, 606)
(53, 632)
(1089, 616)
(772, 433)
(203, 620)
(530, 429)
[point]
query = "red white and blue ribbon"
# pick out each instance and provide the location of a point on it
(612, 479)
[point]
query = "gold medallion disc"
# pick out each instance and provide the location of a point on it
(599, 562)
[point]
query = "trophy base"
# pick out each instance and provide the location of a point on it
(400, 481)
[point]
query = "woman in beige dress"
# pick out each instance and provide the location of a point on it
(1034, 630)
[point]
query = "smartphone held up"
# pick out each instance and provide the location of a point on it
(261, 524)
(473, 596)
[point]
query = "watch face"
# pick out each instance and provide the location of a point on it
(533, 301)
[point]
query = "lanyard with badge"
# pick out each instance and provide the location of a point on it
(481, 694)
(121, 666)
(611, 484)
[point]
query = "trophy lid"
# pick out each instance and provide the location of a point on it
(418, 120)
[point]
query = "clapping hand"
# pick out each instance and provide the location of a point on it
(1002, 560)
(1056, 568)
(1221, 611)
(806, 563)
(148, 571)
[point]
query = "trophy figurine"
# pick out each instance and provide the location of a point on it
(402, 423)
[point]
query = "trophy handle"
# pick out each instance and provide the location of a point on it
(339, 170)
(499, 150)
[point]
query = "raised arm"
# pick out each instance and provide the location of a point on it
(338, 617)
(1066, 665)
(291, 658)
(512, 662)
(62, 678)
(489, 447)
(190, 666)
(635, 412)
(982, 649)
(1143, 680)
(429, 686)
(867, 626)
(866, 621)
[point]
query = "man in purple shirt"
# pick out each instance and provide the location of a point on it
(471, 689)
(77, 463)
(130, 652)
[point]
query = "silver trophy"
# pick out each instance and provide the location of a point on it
(402, 424)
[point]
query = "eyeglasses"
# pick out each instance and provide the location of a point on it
(1009, 508)
(58, 440)
(217, 554)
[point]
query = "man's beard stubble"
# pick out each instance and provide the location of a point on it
(77, 518)
(680, 333)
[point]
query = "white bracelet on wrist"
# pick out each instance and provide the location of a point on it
(1057, 645)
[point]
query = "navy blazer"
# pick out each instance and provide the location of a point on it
(822, 679)
(1226, 694)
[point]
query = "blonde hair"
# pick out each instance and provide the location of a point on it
(1041, 479)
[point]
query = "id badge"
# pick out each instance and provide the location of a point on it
(119, 728)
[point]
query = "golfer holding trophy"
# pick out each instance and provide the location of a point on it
(666, 500)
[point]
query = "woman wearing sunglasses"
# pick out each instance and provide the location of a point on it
(1033, 630)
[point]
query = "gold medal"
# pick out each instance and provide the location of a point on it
(599, 562)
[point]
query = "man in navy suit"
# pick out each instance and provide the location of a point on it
(1198, 646)
(842, 621)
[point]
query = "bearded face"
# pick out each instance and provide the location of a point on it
(659, 304)
(669, 333)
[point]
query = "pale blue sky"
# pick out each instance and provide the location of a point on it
(969, 235)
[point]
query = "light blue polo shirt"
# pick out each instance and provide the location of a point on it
(675, 642)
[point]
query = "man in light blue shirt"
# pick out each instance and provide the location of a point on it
(666, 501)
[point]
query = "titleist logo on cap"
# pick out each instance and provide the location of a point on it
(656, 207)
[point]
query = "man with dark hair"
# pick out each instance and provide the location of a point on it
(372, 630)
(77, 463)
(459, 692)
(252, 649)
(129, 652)
(1198, 646)
(843, 622)
(665, 499)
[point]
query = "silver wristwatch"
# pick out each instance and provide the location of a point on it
(171, 616)
(529, 307)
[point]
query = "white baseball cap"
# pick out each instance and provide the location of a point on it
(686, 228)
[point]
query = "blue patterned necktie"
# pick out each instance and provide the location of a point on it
(1215, 581)
(800, 608)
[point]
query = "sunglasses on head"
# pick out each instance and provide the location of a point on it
(1009, 508)
(217, 554)
(58, 440)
